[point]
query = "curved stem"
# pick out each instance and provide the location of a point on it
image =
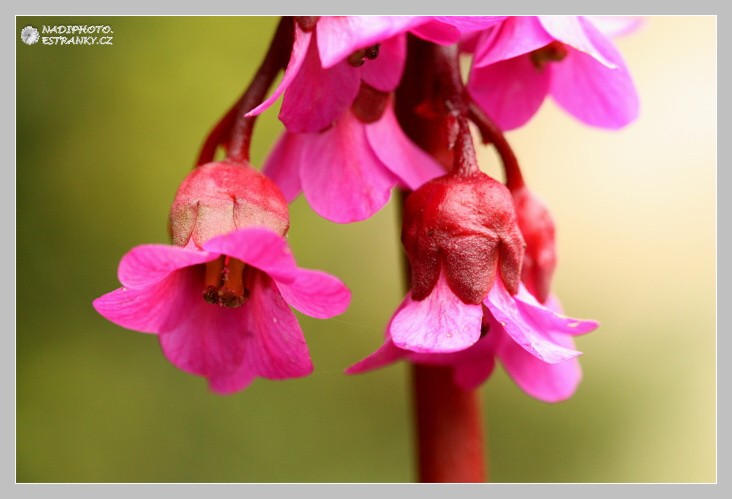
(235, 128)
(490, 133)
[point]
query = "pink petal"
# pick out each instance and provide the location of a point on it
(210, 341)
(572, 30)
(316, 294)
(470, 375)
(594, 93)
(384, 72)
(550, 318)
(386, 354)
(438, 324)
(614, 26)
(149, 263)
(400, 155)
(513, 37)
(446, 30)
(340, 36)
(318, 96)
(156, 308)
(299, 50)
(260, 248)
(282, 165)
(546, 382)
(342, 179)
(275, 347)
(510, 91)
(524, 329)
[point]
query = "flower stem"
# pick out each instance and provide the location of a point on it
(490, 133)
(449, 433)
(235, 129)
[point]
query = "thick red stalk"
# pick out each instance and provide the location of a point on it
(449, 431)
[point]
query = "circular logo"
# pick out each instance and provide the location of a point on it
(29, 35)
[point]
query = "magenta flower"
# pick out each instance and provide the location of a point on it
(218, 299)
(161, 294)
(533, 342)
(524, 59)
(364, 160)
(329, 62)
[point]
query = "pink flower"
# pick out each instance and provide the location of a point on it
(218, 300)
(364, 160)
(533, 342)
(162, 290)
(524, 59)
(329, 62)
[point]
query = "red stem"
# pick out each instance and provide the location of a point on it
(235, 126)
(490, 133)
(449, 433)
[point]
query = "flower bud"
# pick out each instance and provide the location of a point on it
(537, 227)
(220, 197)
(464, 225)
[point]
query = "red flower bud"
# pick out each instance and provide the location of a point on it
(537, 227)
(466, 226)
(220, 197)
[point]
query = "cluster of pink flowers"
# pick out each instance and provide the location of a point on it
(481, 252)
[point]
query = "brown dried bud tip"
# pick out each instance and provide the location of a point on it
(466, 228)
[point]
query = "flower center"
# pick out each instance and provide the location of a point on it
(554, 52)
(225, 282)
(358, 58)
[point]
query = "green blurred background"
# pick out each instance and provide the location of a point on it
(105, 135)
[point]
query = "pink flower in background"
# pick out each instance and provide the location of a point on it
(329, 62)
(230, 345)
(524, 59)
(347, 172)
(528, 361)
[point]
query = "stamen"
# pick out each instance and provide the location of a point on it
(213, 280)
(357, 59)
(232, 293)
(554, 52)
(372, 52)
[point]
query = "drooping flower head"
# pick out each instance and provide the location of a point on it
(218, 299)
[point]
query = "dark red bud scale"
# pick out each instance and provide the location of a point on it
(466, 227)
(537, 228)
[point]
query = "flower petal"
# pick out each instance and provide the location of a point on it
(446, 30)
(318, 96)
(147, 264)
(510, 91)
(340, 36)
(342, 179)
(616, 25)
(544, 381)
(275, 346)
(594, 93)
(400, 155)
(470, 375)
(515, 36)
(438, 324)
(523, 329)
(571, 30)
(260, 248)
(316, 294)
(386, 354)
(549, 317)
(283, 164)
(299, 50)
(156, 308)
(384, 72)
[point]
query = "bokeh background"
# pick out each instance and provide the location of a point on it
(105, 135)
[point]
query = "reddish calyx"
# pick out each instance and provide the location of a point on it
(466, 227)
